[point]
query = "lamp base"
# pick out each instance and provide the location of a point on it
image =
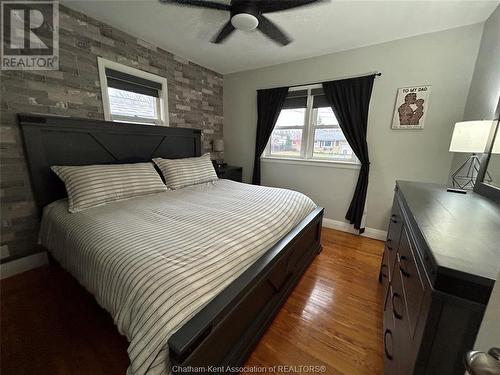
(465, 176)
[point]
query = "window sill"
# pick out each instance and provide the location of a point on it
(137, 121)
(313, 162)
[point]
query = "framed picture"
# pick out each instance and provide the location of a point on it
(412, 104)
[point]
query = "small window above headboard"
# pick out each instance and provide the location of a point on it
(132, 95)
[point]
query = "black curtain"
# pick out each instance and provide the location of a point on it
(269, 104)
(350, 99)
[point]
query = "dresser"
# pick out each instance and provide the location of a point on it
(440, 262)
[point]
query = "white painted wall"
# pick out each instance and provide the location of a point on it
(444, 60)
(485, 86)
(481, 104)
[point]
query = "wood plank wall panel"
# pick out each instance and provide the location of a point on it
(194, 101)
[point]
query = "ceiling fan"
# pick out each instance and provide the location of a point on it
(248, 15)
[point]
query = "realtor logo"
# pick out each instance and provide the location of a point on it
(30, 35)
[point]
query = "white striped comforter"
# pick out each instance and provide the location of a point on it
(154, 261)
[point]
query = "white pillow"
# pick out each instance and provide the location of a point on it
(93, 185)
(179, 173)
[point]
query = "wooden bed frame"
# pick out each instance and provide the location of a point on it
(226, 330)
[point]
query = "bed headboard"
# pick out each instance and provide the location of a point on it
(57, 140)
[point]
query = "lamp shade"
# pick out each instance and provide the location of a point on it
(218, 145)
(470, 136)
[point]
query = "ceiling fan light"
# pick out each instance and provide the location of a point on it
(244, 21)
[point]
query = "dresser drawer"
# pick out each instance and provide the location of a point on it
(385, 272)
(394, 232)
(399, 358)
(406, 357)
(389, 338)
(412, 281)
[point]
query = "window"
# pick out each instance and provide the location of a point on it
(132, 95)
(286, 139)
(307, 129)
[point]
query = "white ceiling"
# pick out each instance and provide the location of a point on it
(317, 30)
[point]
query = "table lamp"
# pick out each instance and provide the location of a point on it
(469, 137)
(218, 146)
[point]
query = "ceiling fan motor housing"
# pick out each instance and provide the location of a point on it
(244, 21)
(244, 15)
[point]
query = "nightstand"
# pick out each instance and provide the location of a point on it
(230, 173)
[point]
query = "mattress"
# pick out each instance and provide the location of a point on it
(154, 261)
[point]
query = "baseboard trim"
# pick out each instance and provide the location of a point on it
(346, 227)
(16, 266)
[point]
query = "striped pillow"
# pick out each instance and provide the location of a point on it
(179, 173)
(93, 185)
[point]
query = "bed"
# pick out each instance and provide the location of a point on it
(182, 272)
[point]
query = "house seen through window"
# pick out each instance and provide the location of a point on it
(308, 129)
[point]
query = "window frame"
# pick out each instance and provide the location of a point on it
(308, 130)
(161, 103)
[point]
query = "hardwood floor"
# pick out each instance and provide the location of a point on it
(50, 325)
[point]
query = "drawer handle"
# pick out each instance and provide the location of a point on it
(403, 271)
(396, 314)
(393, 218)
(387, 354)
(382, 269)
(389, 247)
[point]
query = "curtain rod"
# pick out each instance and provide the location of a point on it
(336, 79)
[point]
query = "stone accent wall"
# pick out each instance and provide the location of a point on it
(194, 101)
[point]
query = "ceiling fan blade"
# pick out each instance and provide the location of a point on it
(224, 32)
(199, 3)
(268, 6)
(273, 31)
